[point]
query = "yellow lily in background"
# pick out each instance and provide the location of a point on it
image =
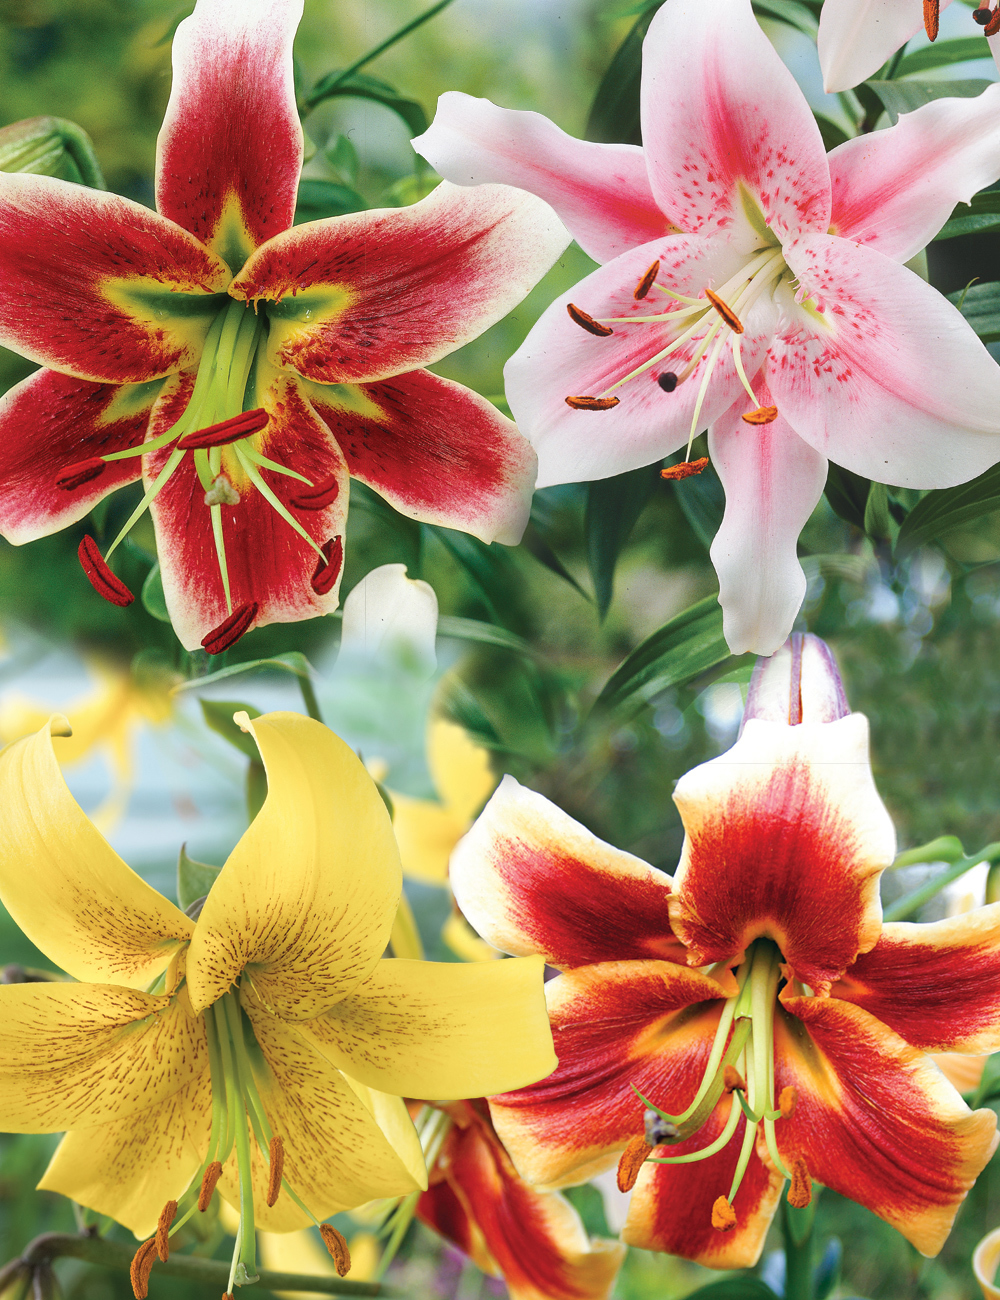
(260, 1044)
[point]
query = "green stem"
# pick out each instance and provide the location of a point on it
(309, 697)
(797, 1233)
(80, 148)
(906, 906)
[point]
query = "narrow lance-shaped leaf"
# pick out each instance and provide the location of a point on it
(938, 513)
(613, 509)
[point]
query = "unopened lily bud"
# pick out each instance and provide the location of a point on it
(798, 683)
(389, 617)
(657, 1128)
(50, 146)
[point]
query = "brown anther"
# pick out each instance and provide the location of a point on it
(229, 1296)
(788, 1099)
(762, 415)
(587, 322)
(734, 1081)
(328, 570)
(685, 469)
(723, 1215)
(982, 15)
(208, 1180)
(141, 1267)
(337, 1246)
(276, 1151)
(232, 430)
(319, 496)
(632, 1160)
(725, 311)
(167, 1215)
(229, 632)
(101, 578)
(993, 26)
(84, 471)
(592, 403)
(800, 1192)
(932, 15)
(647, 282)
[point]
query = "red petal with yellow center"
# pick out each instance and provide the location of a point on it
(937, 986)
(644, 1023)
(230, 148)
(49, 422)
(99, 286)
(875, 1119)
(785, 837)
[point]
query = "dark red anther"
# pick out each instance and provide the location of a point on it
(982, 16)
(84, 471)
(218, 435)
(319, 496)
(667, 381)
(229, 632)
(327, 573)
(101, 578)
(993, 26)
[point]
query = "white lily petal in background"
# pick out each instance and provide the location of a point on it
(390, 617)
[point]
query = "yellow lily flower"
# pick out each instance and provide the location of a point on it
(260, 1044)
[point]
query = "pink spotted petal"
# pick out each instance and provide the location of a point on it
(600, 191)
(230, 149)
(857, 36)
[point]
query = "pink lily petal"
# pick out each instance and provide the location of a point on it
(373, 294)
(435, 450)
(722, 113)
(48, 423)
(773, 481)
(267, 561)
(560, 359)
(857, 36)
(893, 358)
(230, 148)
(88, 281)
(893, 190)
(601, 191)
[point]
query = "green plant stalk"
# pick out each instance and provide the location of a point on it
(904, 907)
(797, 1235)
(309, 697)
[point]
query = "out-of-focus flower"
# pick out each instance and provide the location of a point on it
(300, 1252)
(389, 616)
(773, 1027)
(985, 1258)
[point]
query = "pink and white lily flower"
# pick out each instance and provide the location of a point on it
(245, 369)
(751, 284)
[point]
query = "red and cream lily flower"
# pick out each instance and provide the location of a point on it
(751, 284)
(245, 369)
(754, 1004)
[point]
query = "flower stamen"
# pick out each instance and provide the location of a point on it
(226, 431)
(328, 568)
(336, 1244)
(684, 468)
(725, 311)
(167, 1216)
(319, 496)
(723, 1215)
(667, 381)
(209, 1180)
(141, 1267)
(932, 16)
(647, 281)
(631, 1161)
(231, 629)
(276, 1153)
(84, 471)
(592, 403)
(800, 1192)
(762, 415)
(787, 1101)
(104, 582)
(587, 322)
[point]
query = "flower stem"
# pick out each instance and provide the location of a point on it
(797, 1234)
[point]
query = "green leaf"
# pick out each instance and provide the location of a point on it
(702, 498)
(980, 305)
(614, 114)
(472, 629)
(589, 1205)
(832, 133)
(219, 716)
(194, 879)
(613, 509)
(942, 511)
(321, 198)
(535, 542)
(744, 1287)
(880, 525)
(790, 13)
(983, 213)
(359, 85)
(943, 53)
(256, 787)
(153, 600)
(904, 96)
(489, 568)
(689, 644)
(343, 157)
(847, 494)
(291, 662)
(989, 1084)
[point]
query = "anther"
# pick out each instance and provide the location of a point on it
(167, 1215)
(141, 1267)
(232, 430)
(84, 471)
(993, 26)
(667, 381)
(317, 497)
(327, 573)
(725, 311)
(587, 322)
(723, 1215)
(657, 1128)
(788, 1099)
(337, 1246)
(231, 629)
(632, 1160)
(982, 16)
(222, 492)
(685, 469)
(734, 1081)
(932, 14)
(208, 1181)
(762, 415)
(592, 403)
(101, 578)
(647, 282)
(276, 1152)
(800, 1192)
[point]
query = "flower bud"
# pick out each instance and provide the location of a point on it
(50, 146)
(390, 617)
(798, 683)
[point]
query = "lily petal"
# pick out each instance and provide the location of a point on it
(773, 481)
(388, 617)
(441, 1029)
(722, 115)
(600, 191)
(891, 354)
(937, 985)
(876, 1120)
(435, 450)
(893, 190)
(794, 813)
(308, 896)
(857, 36)
(65, 886)
(98, 286)
(426, 834)
(230, 148)
(530, 879)
(460, 769)
(373, 294)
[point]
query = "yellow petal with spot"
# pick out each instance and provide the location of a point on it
(307, 899)
(65, 886)
(460, 769)
(442, 1030)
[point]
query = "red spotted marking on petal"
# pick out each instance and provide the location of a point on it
(104, 582)
(237, 625)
